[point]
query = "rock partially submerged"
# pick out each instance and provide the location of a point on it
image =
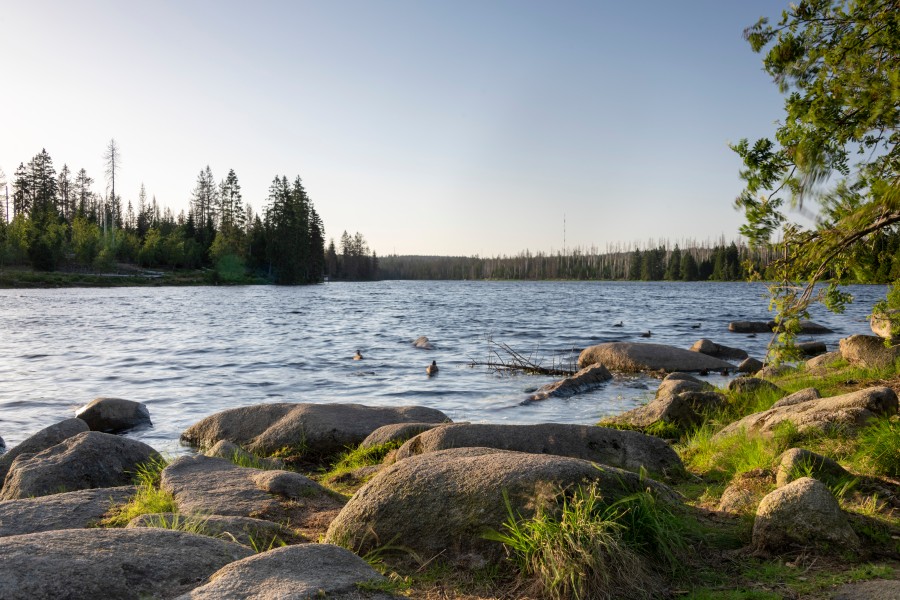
(845, 411)
(868, 351)
(806, 327)
(422, 343)
(71, 510)
(710, 348)
(629, 450)
(113, 564)
(811, 348)
(43, 439)
(316, 429)
(802, 514)
(633, 357)
(442, 503)
(587, 378)
(114, 415)
(750, 366)
(301, 572)
(87, 460)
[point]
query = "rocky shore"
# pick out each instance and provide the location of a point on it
(301, 500)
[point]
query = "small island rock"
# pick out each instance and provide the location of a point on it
(582, 381)
(632, 357)
(710, 348)
(114, 415)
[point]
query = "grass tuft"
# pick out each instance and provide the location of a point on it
(148, 499)
(879, 447)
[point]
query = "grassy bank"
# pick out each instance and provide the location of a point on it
(15, 277)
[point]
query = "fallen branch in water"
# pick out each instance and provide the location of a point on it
(503, 359)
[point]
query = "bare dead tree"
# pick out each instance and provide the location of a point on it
(504, 359)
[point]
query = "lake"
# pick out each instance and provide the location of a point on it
(190, 352)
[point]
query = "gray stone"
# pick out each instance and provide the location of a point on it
(313, 429)
(2, 446)
(214, 486)
(845, 411)
(113, 564)
(798, 462)
(422, 343)
(396, 433)
(682, 409)
(812, 348)
(670, 387)
(90, 459)
(441, 503)
(802, 514)
(113, 415)
(881, 323)
(750, 365)
(234, 453)
(584, 380)
(632, 357)
(804, 395)
(711, 348)
(43, 439)
(868, 351)
(71, 510)
(629, 450)
(293, 573)
(242, 530)
(751, 326)
(773, 371)
(745, 491)
(748, 385)
(823, 360)
(868, 590)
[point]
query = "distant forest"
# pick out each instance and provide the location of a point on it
(56, 221)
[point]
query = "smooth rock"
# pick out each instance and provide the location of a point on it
(113, 415)
(241, 530)
(682, 409)
(751, 326)
(293, 573)
(868, 590)
(747, 385)
(234, 453)
(422, 343)
(802, 514)
(112, 564)
(214, 486)
(868, 351)
(823, 360)
(71, 510)
(632, 357)
(90, 459)
(880, 323)
(629, 450)
(584, 380)
(670, 387)
(711, 348)
(798, 462)
(750, 365)
(804, 395)
(315, 429)
(848, 410)
(43, 439)
(396, 433)
(441, 503)
(773, 371)
(812, 348)
(2, 446)
(745, 491)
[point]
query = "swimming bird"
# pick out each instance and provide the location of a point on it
(697, 326)
(357, 356)
(432, 369)
(646, 334)
(619, 324)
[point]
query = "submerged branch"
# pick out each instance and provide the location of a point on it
(504, 359)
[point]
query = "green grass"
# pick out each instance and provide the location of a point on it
(879, 448)
(355, 458)
(589, 548)
(720, 459)
(148, 499)
(242, 458)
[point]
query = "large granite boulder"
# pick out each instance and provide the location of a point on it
(396, 433)
(710, 348)
(113, 415)
(310, 429)
(442, 503)
(806, 327)
(214, 486)
(71, 510)
(113, 564)
(808, 349)
(881, 323)
(586, 379)
(624, 449)
(797, 397)
(677, 383)
(802, 514)
(632, 357)
(236, 454)
(750, 385)
(247, 531)
(91, 459)
(799, 462)
(293, 573)
(823, 360)
(847, 410)
(43, 439)
(681, 409)
(883, 589)
(868, 351)
(750, 366)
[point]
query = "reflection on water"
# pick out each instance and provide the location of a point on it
(189, 352)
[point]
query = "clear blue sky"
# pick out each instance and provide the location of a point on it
(431, 127)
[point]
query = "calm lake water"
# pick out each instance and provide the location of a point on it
(190, 352)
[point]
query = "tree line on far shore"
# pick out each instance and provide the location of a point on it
(56, 221)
